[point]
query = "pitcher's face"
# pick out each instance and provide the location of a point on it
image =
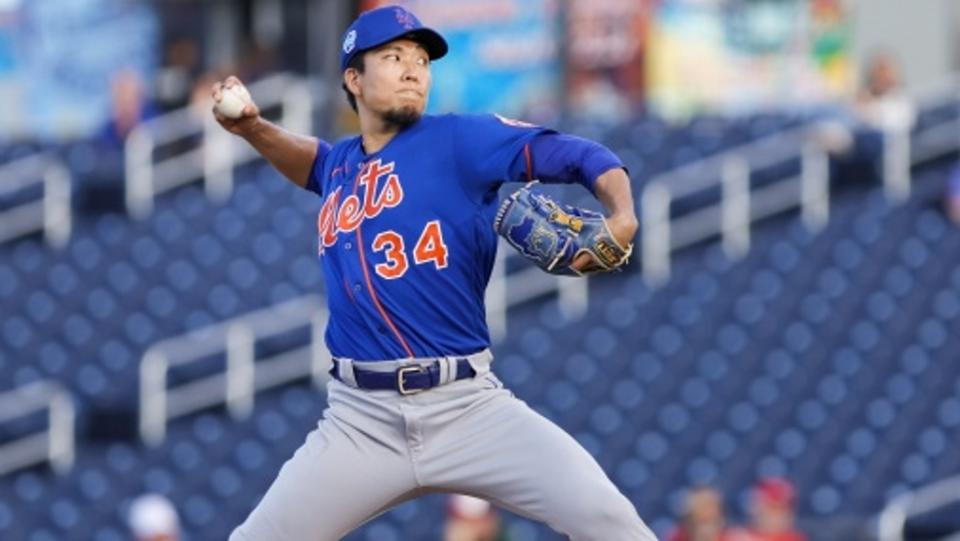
(395, 81)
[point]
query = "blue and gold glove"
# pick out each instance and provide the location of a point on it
(553, 235)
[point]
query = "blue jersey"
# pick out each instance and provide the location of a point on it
(406, 240)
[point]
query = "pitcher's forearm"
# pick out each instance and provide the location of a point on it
(290, 153)
(613, 190)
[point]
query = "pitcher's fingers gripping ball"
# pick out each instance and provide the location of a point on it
(233, 100)
(553, 235)
(233, 106)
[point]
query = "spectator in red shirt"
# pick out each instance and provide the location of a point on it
(703, 518)
(771, 513)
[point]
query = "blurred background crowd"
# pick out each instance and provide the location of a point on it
(796, 389)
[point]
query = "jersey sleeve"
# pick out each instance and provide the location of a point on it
(316, 170)
(562, 158)
(490, 150)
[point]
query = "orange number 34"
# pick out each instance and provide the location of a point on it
(429, 248)
(396, 264)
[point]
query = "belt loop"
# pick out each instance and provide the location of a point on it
(448, 369)
(441, 370)
(346, 373)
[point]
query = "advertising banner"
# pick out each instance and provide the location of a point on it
(605, 56)
(746, 55)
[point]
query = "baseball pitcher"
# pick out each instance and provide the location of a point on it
(408, 230)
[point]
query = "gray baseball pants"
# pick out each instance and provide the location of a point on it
(376, 449)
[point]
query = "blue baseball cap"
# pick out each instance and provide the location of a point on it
(382, 25)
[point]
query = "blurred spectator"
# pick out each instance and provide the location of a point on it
(882, 104)
(704, 518)
(153, 518)
(471, 519)
(174, 80)
(951, 196)
(855, 138)
(128, 106)
(101, 186)
(771, 513)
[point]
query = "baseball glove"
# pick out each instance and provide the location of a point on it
(553, 235)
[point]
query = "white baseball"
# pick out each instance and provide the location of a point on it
(232, 101)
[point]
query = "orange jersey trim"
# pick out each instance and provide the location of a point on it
(526, 154)
(373, 293)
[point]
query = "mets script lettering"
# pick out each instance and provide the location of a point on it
(367, 201)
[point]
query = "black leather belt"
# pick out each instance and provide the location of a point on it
(408, 379)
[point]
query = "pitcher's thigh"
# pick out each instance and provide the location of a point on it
(530, 465)
(331, 485)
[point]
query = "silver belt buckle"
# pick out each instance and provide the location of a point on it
(402, 377)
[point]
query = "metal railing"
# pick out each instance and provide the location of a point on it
(740, 205)
(243, 374)
(893, 518)
(55, 444)
(51, 213)
(217, 152)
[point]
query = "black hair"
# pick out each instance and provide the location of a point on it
(356, 63)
